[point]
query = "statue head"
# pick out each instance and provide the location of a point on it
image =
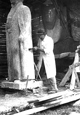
(13, 2)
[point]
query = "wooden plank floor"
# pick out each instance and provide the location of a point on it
(37, 101)
(52, 100)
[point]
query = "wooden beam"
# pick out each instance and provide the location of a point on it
(66, 77)
(74, 113)
(50, 105)
(51, 96)
(69, 72)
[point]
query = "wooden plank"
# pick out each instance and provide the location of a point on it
(50, 105)
(47, 102)
(65, 99)
(69, 72)
(66, 77)
(54, 95)
(67, 94)
(74, 113)
(63, 55)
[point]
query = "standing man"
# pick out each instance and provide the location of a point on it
(46, 47)
(18, 42)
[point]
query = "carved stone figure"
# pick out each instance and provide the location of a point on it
(18, 42)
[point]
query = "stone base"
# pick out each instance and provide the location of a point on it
(21, 85)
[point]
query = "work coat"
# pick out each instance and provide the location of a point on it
(20, 59)
(48, 57)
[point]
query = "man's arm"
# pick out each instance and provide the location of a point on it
(37, 48)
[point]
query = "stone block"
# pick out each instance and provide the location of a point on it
(21, 85)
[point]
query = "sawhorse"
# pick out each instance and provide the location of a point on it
(74, 77)
(72, 71)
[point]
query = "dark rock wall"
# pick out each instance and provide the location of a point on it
(65, 43)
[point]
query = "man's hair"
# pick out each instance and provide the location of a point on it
(20, 0)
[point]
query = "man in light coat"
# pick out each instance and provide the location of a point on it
(18, 42)
(47, 55)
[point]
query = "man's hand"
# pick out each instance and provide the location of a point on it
(35, 48)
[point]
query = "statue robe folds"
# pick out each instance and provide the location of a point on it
(18, 42)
